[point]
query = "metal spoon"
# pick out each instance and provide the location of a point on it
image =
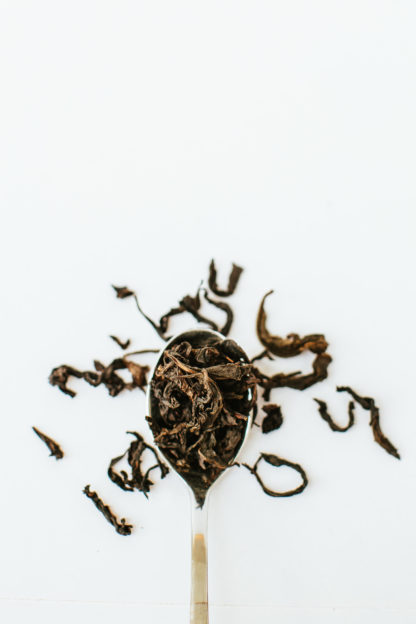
(199, 569)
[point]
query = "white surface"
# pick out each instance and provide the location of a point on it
(137, 140)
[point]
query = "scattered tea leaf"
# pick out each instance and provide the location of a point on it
(232, 280)
(293, 344)
(60, 376)
(278, 461)
(138, 480)
(123, 345)
(120, 526)
(123, 292)
(105, 375)
(323, 410)
(273, 419)
(368, 404)
(297, 380)
(225, 330)
(55, 449)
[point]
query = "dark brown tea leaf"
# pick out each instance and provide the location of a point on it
(232, 280)
(323, 410)
(278, 461)
(225, 330)
(138, 480)
(273, 419)
(121, 344)
(297, 380)
(105, 375)
(55, 449)
(123, 292)
(120, 526)
(60, 376)
(293, 344)
(368, 404)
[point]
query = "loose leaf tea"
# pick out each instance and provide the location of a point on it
(368, 404)
(273, 460)
(323, 410)
(121, 344)
(60, 377)
(202, 395)
(297, 380)
(138, 480)
(293, 344)
(225, 330)
(120, 525)
(55, 449)
(232, 280)
(190, 304)
(202, 392)
(103, 374)
(273, 419)
(122, 292)
(290, 346)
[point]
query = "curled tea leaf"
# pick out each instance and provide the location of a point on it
(60, 377)
(225, 330)
(297, 380)
(323, 410)
(293, 344)
(368, 404)
(274, 460)
(105, 375)
(138, 480)
(232, 280)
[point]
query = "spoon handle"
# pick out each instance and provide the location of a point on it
(199, 570)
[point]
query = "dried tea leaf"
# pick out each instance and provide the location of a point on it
(323, 410)
(273, 419)
(60, 375)
(123, 345)
(120, 526)
(123, 292)
(138, 373)
(105, 375)
(296, 380)
(368, 404)
(225, 330)
(192, 305)
(55, 449)
(160, 331)
(293, 344)
(138, 480)
(232, 280)
(278, 461)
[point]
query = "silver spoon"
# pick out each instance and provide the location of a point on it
(199, 569)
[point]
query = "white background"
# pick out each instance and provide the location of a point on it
(137, 140)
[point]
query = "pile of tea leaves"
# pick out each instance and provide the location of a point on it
(203, 396)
